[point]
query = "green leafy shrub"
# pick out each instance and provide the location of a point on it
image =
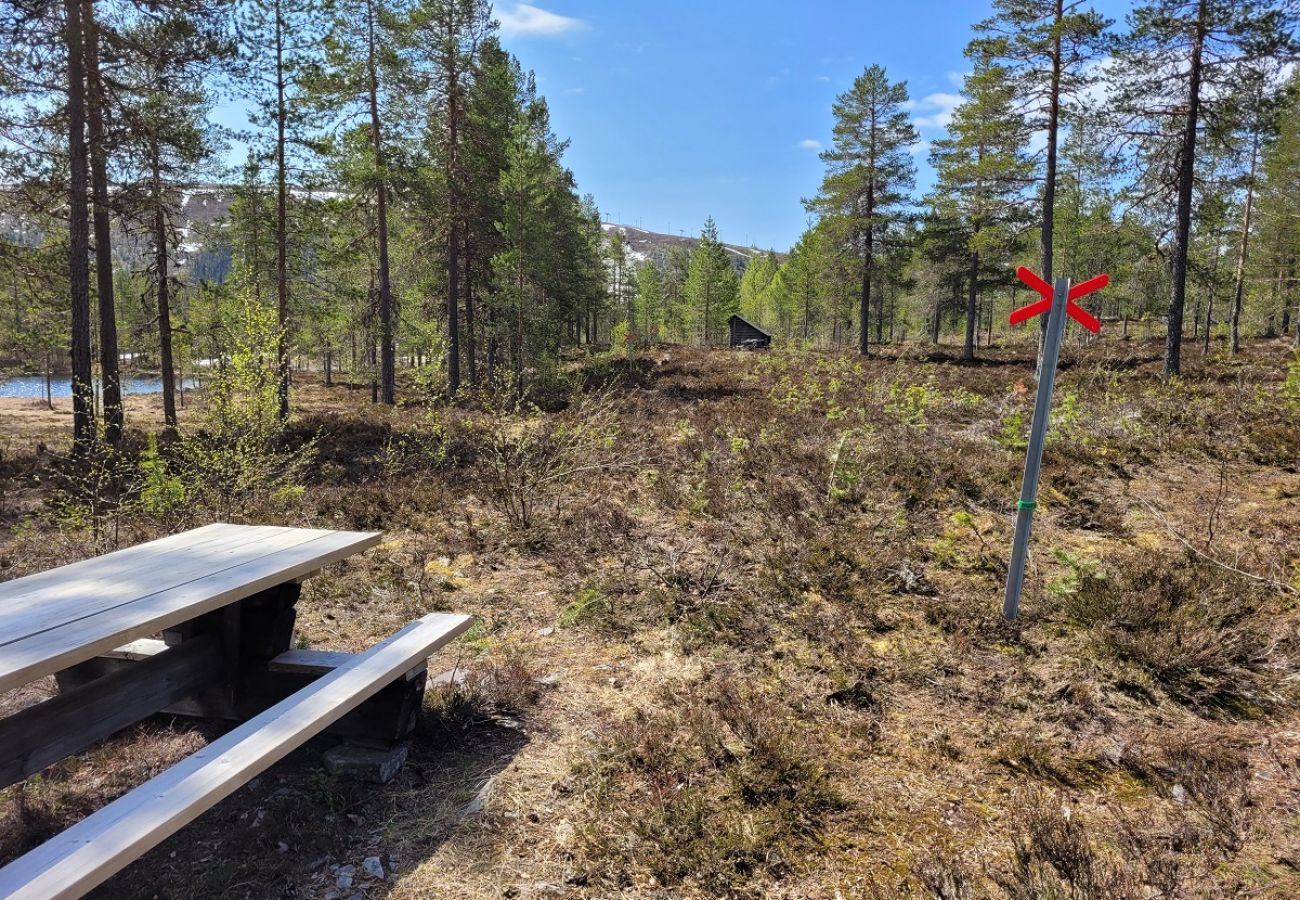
(237, 458)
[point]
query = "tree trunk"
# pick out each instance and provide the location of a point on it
(453, 232)
(1183, 216)
(864, 306)
(1239, 283)
(387, 362)
(880, 314)
(83, 391)
(163, 294)
(471, 363)
(1214, 291)
(1049, 174)
(281, 218)
(110, 377)
(972, 307)
(807, 304)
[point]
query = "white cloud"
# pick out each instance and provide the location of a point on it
(920, 148)
(526, 20)
(575, 90)
(810, 144)
(936, 110)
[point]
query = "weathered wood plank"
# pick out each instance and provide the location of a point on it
(89, 852)
(106, 573)
(390, 715)
(83, 594)
(75, 641)
(318, 662)
(43, 734)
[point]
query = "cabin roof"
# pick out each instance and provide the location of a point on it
(763, 331)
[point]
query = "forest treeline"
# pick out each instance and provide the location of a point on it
(404, 198)
(1164, 152)
(404, 193)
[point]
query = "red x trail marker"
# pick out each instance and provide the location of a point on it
(1072, 309)
(1056, 300)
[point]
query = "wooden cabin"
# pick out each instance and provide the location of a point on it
(745, 335)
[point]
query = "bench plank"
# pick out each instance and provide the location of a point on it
(95, 848)
(319, 662)
(167, 560)
(294, 553)
(110, 565)
(41, 735)
(85, 590)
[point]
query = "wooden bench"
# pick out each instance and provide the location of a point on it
(223, 598)
(89, 852)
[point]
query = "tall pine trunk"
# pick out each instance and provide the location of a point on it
(972, 306)
(864, 310)
(1047, 235)
(163, 290)
(83, 390)
(281, 218)
(110, 377)
(1239, 283)
(453, 232)
(387, 362)
(1183, 215)
(471, 363)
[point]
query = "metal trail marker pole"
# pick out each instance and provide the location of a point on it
(1057, 302)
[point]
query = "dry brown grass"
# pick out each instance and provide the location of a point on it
(756, 650)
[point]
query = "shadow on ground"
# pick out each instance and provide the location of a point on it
(286, 833)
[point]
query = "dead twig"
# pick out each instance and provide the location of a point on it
(1215, 561)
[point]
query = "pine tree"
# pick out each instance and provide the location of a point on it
(1178, 68)
(450, 35)
(869, 173)
(983, 173)
(802, 275)
(279, 42)
(1048, 48)
(650, 302)
(492, 107)
(756, 289)
(175, 54)
(676, 270)
(1257, 106)
(1279, 226)
(83, 400)
(96, 101)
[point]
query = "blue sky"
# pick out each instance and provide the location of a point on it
(680, 109)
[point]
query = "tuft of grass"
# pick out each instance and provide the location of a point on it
(1196, 632)
(719, 785)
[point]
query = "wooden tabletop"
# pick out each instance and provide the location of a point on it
(67, 615)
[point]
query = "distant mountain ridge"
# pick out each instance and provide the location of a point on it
(203, 205)
(643, 245)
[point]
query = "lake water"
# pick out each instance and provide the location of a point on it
(33, 386)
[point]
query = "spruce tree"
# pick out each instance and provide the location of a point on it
(711, 286)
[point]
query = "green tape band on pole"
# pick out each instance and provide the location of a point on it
(1025, 504)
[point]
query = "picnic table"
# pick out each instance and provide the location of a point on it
(222, 600)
